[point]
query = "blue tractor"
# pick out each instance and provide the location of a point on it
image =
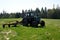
(32, 20)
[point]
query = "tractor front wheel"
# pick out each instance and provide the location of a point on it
(42, 23)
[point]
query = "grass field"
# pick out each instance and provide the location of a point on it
(50, 32)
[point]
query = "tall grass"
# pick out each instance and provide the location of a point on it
(50, 32)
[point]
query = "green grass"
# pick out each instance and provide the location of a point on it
(50, 32)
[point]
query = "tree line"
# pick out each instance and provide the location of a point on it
(53, 13)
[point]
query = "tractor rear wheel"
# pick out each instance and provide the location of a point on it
(25, 23)
(34, 24)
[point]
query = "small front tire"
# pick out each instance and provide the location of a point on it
(42, 23)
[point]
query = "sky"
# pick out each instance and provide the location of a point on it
(19, 5)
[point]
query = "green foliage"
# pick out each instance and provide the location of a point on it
(43, 13)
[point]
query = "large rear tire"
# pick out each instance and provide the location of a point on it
(25, 23)
(34, 24)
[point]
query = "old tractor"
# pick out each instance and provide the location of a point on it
(32, 20)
